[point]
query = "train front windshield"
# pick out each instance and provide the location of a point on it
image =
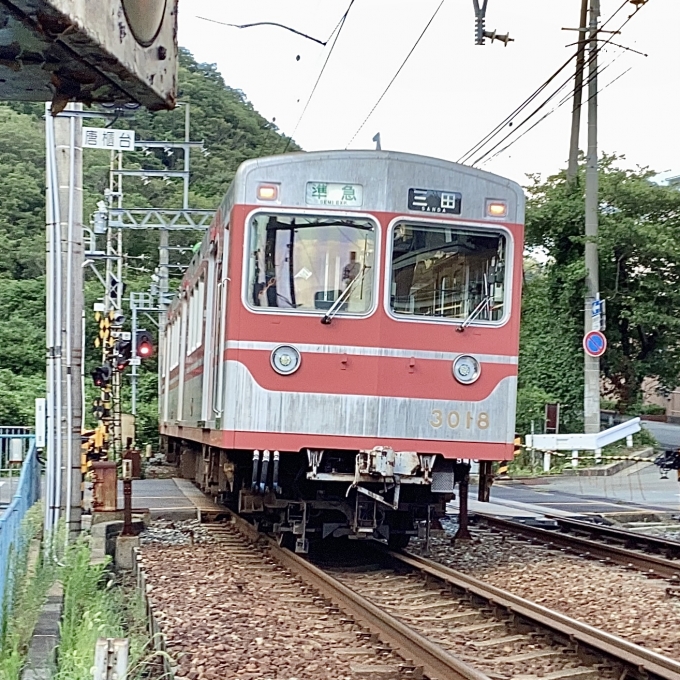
(306, 263)
(449, 272)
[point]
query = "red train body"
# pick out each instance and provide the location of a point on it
(346, 339)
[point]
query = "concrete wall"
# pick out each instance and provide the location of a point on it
(671, 402)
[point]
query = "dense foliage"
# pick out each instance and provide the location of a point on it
(232, 131)
(639, 254)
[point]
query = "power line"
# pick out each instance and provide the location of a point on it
(375, 106)
(532, 114)
(489, 137)
(510, 117)
(564, 101)
(337, 32)
(559, 89)
(264, 23)
(496, 130)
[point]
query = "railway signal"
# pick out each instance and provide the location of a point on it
(123, 354)
(145, 348)
(101, 376)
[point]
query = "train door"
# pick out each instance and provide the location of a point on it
(219, 377)
(166, 363)
(184, 313)
(208, 341)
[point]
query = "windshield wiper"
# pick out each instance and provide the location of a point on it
(328, 316)
(486, 302)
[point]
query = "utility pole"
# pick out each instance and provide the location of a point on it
(591, 397)
(164, 253)
(69, 166)
(572, 168)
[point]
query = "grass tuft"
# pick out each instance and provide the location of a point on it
(96, 605)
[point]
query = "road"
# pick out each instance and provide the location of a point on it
(666, 434)
(7, 489)
(635, 488)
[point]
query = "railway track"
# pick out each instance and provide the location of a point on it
(656, 557)
(445, 624)
(629, 539)
(223, 609)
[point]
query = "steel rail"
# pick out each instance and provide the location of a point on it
(632, 655)
(666, 546)
(651, 564)
(435, 661)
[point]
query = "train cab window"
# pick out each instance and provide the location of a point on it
(305, 263)
(448, 272)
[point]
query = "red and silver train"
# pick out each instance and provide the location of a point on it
(345, 342)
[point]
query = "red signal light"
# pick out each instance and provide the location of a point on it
(144, 344)
(101, 376)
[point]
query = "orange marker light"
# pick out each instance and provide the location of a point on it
(496, 208)
(267, 192)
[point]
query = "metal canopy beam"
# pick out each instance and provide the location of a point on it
(172, 220)
(87, 51)
(139, 144)
(152, 173)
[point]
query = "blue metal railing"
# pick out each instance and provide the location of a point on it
(14, 440)
(26, 494)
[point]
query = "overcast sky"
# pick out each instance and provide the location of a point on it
(451, 93)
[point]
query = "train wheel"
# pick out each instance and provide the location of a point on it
(398, 541)
(399, 523)
(286, 539)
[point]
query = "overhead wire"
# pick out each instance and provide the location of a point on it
(532, 114)
(511, 117)
(595, 52)
(265, 23)
(564, 101)
(336, 32)
(539, 108)
(394, 77)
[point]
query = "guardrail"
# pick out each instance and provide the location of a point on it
(26, 494)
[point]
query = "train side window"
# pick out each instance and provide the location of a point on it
(304, 263)
(174, 343)
(448, 272)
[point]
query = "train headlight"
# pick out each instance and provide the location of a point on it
(285, 359)
(466, 369)
(497, 209)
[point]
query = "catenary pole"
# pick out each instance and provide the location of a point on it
(591, 397)
(68, 149)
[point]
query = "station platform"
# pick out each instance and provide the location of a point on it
(174, 499)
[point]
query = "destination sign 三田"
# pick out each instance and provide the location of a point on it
(434, 201)
(334, 194)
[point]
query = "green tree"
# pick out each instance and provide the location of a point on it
(639, 253)
(22, 200)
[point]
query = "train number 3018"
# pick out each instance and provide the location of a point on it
(454, 420)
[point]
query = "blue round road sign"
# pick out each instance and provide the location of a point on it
(594, 343)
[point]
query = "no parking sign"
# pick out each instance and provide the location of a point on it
(594, 343)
